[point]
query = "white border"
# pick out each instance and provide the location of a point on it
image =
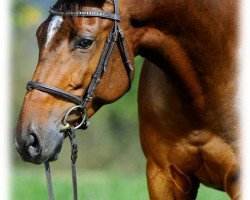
(245, 96)
(4, 99)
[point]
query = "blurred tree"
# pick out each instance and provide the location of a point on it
(25, 15)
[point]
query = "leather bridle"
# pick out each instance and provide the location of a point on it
(115, 36)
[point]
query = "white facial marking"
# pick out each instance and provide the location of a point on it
(54, 26)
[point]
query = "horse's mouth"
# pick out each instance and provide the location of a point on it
(41, 159)
(49, 150)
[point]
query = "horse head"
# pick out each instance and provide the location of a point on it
(70, 51)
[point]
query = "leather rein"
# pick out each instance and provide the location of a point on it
(115, 36)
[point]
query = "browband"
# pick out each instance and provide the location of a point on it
(85, 13)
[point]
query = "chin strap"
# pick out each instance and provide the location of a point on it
(74, 150)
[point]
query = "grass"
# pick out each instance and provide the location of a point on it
(92, 185)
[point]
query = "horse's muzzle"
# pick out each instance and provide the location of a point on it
(32, 149)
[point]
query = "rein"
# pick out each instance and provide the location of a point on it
(115, 36)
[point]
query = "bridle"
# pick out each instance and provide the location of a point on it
(115, 36)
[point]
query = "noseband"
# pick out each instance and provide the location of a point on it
(115, 36)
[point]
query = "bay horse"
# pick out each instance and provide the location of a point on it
(187, 99)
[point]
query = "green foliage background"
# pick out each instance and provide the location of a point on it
(111, 163)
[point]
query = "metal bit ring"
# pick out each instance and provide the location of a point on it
(84, 116)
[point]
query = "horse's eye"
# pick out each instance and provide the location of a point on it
(84, 43)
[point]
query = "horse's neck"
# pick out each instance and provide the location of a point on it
(196, 38)
(205, 30)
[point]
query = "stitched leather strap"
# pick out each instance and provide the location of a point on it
(102, 65)
(54, 91)
(74, 150)
(85, 13)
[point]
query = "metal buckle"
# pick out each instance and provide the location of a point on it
(84, 118)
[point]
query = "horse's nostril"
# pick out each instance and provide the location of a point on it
(30, 140)
(33, 145)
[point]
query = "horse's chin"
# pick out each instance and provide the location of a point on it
(42, 159)
(53, 156)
